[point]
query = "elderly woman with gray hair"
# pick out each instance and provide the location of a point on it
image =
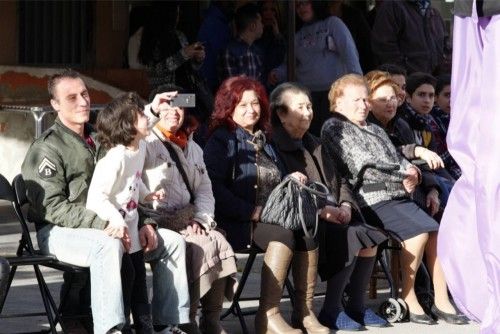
(347, 246)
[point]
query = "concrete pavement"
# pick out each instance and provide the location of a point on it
(24, 295)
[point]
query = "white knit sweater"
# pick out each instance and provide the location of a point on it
(117, 188)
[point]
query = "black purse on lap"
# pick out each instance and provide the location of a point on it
(294, 206)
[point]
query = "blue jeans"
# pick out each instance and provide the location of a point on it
(170, 302)
(445, 186)
(94, 249)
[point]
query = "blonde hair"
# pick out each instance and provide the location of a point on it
(337, 88)
(377, 79)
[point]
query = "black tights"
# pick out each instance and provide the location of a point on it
(135, 294)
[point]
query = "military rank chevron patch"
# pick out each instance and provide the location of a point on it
(46, 168)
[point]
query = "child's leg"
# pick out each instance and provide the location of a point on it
(141, 309)
(128, 278)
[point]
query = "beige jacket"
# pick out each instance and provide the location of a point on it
(160, 171)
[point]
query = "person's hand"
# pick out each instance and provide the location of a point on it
(433, 159)
(119, 231)
(345, 214)
(300, 177)
(256, 214)
(432, 201)
(272, 78)
(411, 180)
(191, 50)
(332, 214)
(116, 230)
(194, 228)
(148, 238)
(161, 102)
(157, 195)
(126, 240)
(199, 54)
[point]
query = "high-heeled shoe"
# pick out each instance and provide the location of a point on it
(422, 319)
(455, 319)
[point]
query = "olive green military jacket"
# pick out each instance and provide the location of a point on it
(57, 171)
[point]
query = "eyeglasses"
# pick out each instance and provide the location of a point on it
(387, 99)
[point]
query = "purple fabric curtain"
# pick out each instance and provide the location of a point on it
(469, 236)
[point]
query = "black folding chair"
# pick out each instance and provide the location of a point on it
(26, 250)
(26, 256)
(235, 307)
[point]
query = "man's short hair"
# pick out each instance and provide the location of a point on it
(55, 78)
(442, 81)
(392, 69)
(245, 16)
(418, 79)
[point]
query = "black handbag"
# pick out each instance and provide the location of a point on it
(294, 206)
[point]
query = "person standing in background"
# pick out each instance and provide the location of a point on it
(215, 34)
(409, 33)
(324, 51)
(243, 55)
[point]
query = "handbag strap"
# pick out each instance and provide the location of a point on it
(302, 219)
(175, 157)
(315, 193)
(324, 190)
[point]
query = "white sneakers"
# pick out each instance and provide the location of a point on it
(113, 331)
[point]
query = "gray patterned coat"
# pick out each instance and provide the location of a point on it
(358, 146)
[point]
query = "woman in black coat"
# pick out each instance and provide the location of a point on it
(347, 246)
(244, 168)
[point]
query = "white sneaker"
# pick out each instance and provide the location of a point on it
(171, 329)
(113, 331)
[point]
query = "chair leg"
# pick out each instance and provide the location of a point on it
(291, 291)
(244, 276)
(235, 307)
(7, 288)
(382, 259)
(46, 302)
(53, 305)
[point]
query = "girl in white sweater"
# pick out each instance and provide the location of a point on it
(117, 188)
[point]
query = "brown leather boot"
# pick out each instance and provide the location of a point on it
(304, 272)
(211, 307)
(268, 319)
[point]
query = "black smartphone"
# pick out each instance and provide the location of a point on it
(183, 101)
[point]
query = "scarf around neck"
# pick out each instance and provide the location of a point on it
(179, 138)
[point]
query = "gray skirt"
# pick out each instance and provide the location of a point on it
(401, 218)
